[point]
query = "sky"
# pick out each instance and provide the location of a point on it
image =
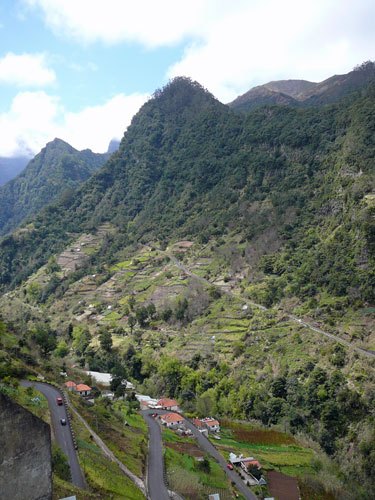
(80, 69)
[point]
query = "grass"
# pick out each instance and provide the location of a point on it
(273, 449)
(186, 478)
(127, 442)
(30, 399)
(102, 476)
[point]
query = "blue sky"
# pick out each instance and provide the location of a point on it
(80, 69)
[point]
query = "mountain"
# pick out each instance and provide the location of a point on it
(10, 167)
(57, 170)
(304, 93)
(188, 166)
(231, 258)
(113, 146)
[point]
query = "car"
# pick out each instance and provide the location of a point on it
(154, 415)
(63, 421)
(230, 466)
(59, 401)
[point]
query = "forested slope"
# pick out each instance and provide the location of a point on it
(190, 167)
(57, 169)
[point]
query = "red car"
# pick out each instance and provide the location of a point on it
(154, 415)
(59, 401)
(230, 466)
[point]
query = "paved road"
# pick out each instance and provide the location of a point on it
(63, 434)
(364, 352)
(158, 468)
(156, 485)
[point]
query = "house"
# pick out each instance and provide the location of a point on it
(146, 402)
(211, 424)
(83, 390)
(245, 464)
(172, 420)
(200, 425)
(71, 386)
(167, 404)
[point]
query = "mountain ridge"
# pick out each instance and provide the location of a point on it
(58, 167)
(305, 93)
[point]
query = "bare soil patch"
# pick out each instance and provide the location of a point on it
(282, 487)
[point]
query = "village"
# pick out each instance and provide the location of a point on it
(167, 413)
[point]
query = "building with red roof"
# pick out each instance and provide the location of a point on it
(173, 420)
(211, 424)
(83, 390)
(168, 404)
(71, 386)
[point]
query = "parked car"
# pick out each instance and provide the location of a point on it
(63, 421)
(154, 415)
(230, 466)
(59, 401)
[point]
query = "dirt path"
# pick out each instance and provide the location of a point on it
(107, 452)
(315, 329)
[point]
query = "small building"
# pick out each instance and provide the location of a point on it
(167, 404)
(71, 386)
(172, 420)
(83, 390)
(211, 424)
(215, 496)
(200, 425)
(246, 463)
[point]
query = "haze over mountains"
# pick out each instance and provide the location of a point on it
(56, 169)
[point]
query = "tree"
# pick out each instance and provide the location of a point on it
(62, 349)
(132, 322)
(82, 339)
(105, 340)
(45, 339)
(141, 315)
(52, 266)
(60, 464)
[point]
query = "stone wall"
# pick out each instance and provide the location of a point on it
(25, 454)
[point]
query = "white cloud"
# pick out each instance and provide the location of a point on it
(36, 118)
(25, 70)
(279, 40)
(231, 45)
(95, 126)
(150, 23)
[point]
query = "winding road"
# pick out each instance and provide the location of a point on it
(62, 433)
(156, 485)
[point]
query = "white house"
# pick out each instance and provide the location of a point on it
(172, 420)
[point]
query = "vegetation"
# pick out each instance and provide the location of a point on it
(56, 171)
(273, 208)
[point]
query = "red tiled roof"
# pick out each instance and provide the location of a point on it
(172, 417)
(83, 387)
(165, 402)
(197, 422)
(70, 384)
(253, 462)
(211, 422)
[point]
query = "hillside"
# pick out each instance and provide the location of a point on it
(57, 169)
(303, 93)
(196, 259)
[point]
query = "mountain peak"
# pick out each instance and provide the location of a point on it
(183, 91)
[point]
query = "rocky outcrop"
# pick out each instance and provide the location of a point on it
(25, 454)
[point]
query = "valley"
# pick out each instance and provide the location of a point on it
(226, 260)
